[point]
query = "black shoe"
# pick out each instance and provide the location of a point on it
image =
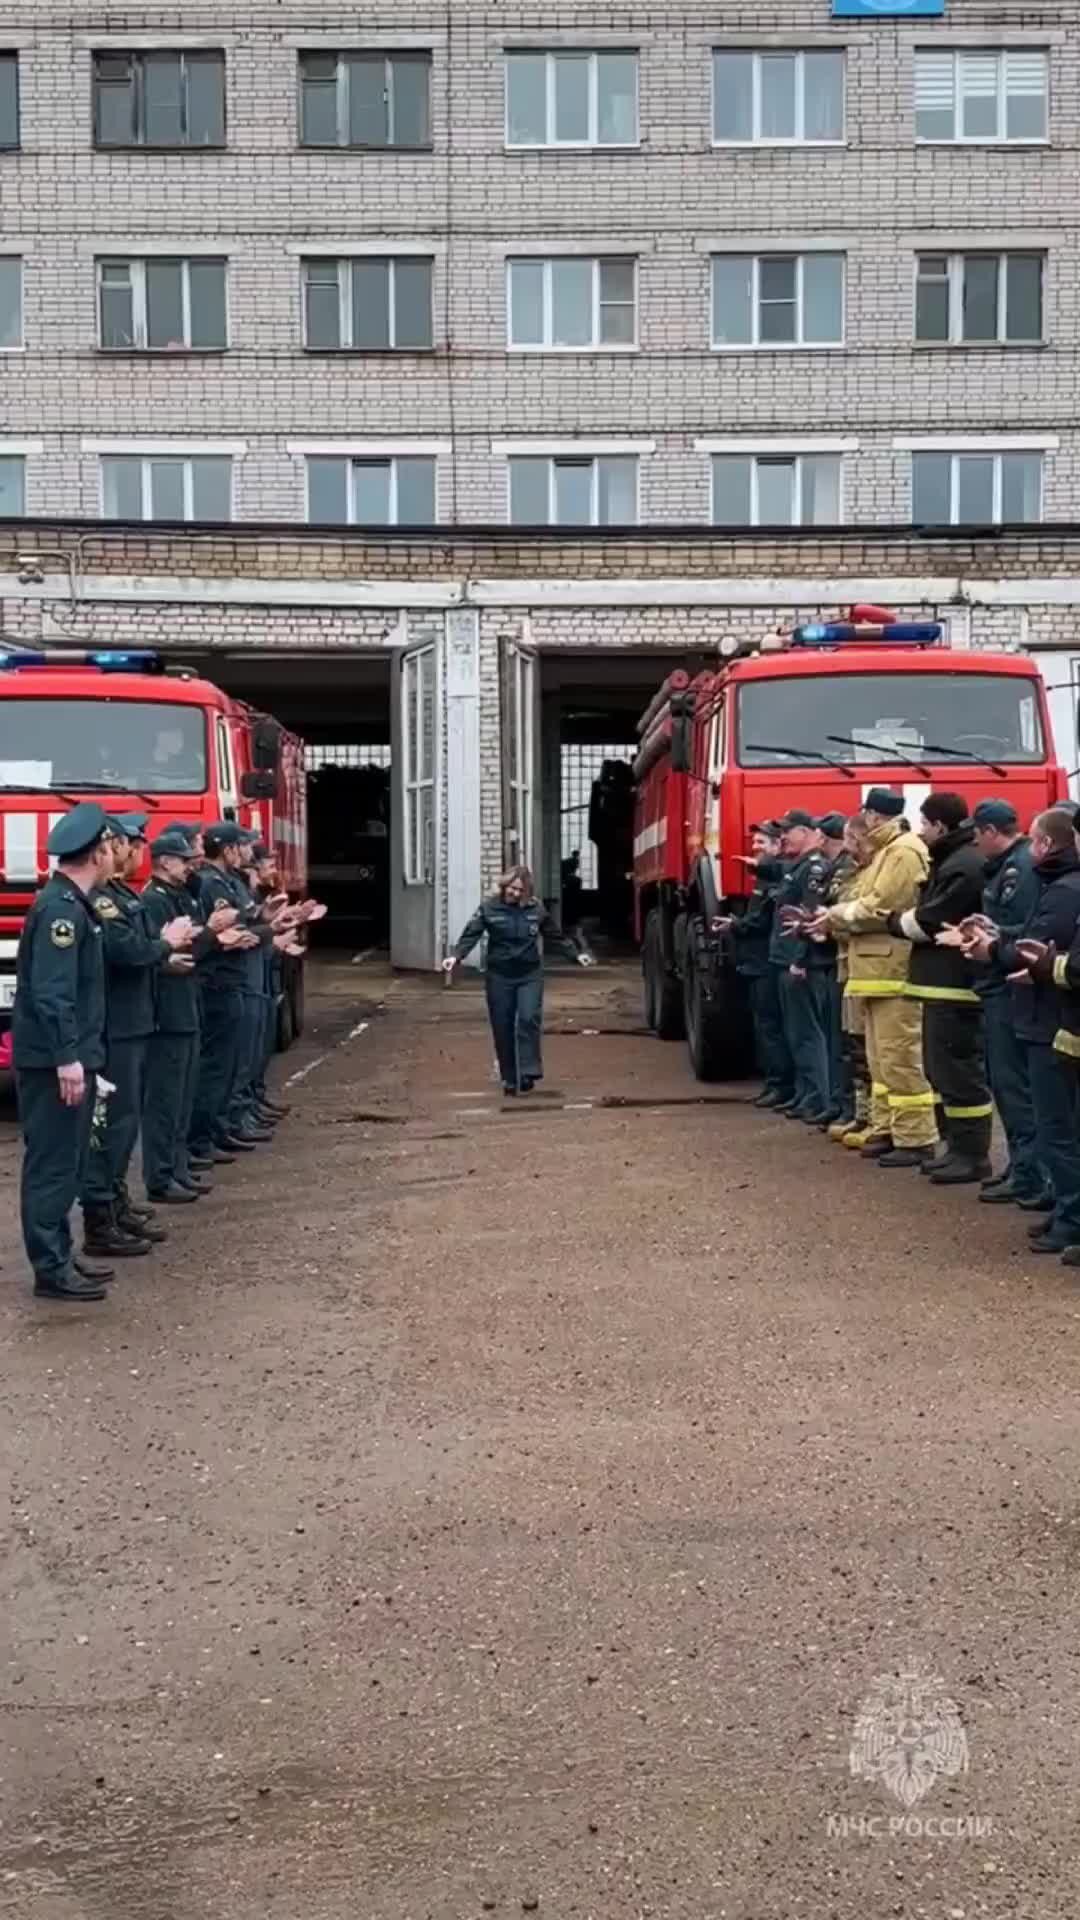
(960, 1172)
(1050, 1243)
(200, 1162)
(68, 1286)
(258, 1136)
(141, 1226)
(196, 1187)
(174, 1195)
(103, 1236)
(906, 1157)
(786, 1106)
(234, 1145)
(998, 1180)
(86, 1270)
(265, 1119)
(1071, 1256)
(1036, 1203)
(834, 1118)
(937, 1163)
(276, 1107)
(877, 1145)
(220, 1159)
(769, 1098)
(510, 1093)
(527, 1086)
(999, 1193)
(1037, 1231)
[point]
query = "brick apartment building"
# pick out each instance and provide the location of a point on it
(685, 272)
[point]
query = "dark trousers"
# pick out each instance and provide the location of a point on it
(954, 1061)
(1010, 1084)
(56, 1140)
(109, 1157)
(172, 1069)
(805, 1010)
(516, 1012)
(222, 1015)
(1055, 1097)
(770, 1040)
(248, 1059)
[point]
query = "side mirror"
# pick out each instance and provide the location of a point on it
(260, 785)
(266, 745)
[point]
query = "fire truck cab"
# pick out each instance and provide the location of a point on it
(811, 718)
(118, 726)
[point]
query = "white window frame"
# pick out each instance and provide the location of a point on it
(578, 456)
(775, 456)
(184, 460)
(548, 262)
(345, 302)
(755, 344)
(955, 454)
(20, 259)
(21, 455)
(593, 141)
(136, 265)
(374, 459)
(520, 770)
(1000, 139)
(955, 277)
(756, 138)
(415, 778)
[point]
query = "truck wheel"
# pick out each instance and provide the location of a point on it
(663, 994)
(713, 1044)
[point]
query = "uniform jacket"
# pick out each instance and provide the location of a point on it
(803, 885)
(252, 921)
(1037, 1004)
(515, 936)
(176, 995)
(59, 1013)
(842, 885)
(877, 959)
(1066, 978)
(132, 955)
(1011, 889)
(751, 933)
(213, 887)
(953, 889)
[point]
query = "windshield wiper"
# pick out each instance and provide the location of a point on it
(848, 740)
(112, 786)
(20, 786)
(961, 753)
(801, 753)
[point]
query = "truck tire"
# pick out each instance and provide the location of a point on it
(715, 1039)
(663, 994)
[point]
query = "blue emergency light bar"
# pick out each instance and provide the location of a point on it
(846, 633)
(106, 660)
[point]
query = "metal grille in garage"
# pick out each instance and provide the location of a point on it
(581, 764)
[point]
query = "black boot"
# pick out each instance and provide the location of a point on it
(102, 1236)
(86, 1270)
(126, 1205)
(960, 1171)
(906, 1157)
(138, 1222)
(68, 1286)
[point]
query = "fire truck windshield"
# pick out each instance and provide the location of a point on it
(140, 745)
(874, 718)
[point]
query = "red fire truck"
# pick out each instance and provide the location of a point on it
(811, 718)
(121, 727)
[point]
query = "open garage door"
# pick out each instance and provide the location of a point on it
(521, 811)
(416, 751)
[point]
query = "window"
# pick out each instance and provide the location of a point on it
(162, 306)
(365, 99)
(390, 491)
(11, 303)
(778, 300)
(776, 490)
(9, 100)
(159, 99)
(958, 489)
(768, 98)
(151, 746)
(918, 714)
(167, 487)
(370, 305)
(571, 99)
(12, 486)
(418, 692)
(980, 96)
(963, 298)
(574, 490)
(573, 304)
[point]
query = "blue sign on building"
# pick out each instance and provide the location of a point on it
(885, 9)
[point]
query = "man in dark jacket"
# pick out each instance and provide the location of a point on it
(940, 977)
(801, 966)
(1038, 1010)
(1011, 889)
(751, 936)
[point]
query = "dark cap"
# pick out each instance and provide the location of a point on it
(78, 831)
(224, 833)
(131, 825)
(188, 828)
(1000, 815)
(832, 825)
(884, 801)
(797, 817)
(770, 827)
(172, 844)
(260, 851)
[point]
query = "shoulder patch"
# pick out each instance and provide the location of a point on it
(1009, 886)
(62, 933)
(221, 902)
(105, 906)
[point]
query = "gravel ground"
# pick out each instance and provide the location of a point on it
(506, 1511)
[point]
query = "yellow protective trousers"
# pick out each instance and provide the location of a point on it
(902, 1100)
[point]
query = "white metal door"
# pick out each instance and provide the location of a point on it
(416, 812)
(520, 756)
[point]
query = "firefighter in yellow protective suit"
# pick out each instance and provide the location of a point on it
(902, 1124)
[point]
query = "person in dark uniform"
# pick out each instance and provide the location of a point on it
(243, 1119)
(839, 864)
(133, 953)
(265, 885)
(803, 967)
(59, 1047)
(751, 935)
(515, 924)
(1011, 890)
(172, 1054)
(222, 975)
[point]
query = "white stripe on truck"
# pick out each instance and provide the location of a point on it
(649, 837)
(19, 853)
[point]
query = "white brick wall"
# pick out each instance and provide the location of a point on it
(670, 203)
